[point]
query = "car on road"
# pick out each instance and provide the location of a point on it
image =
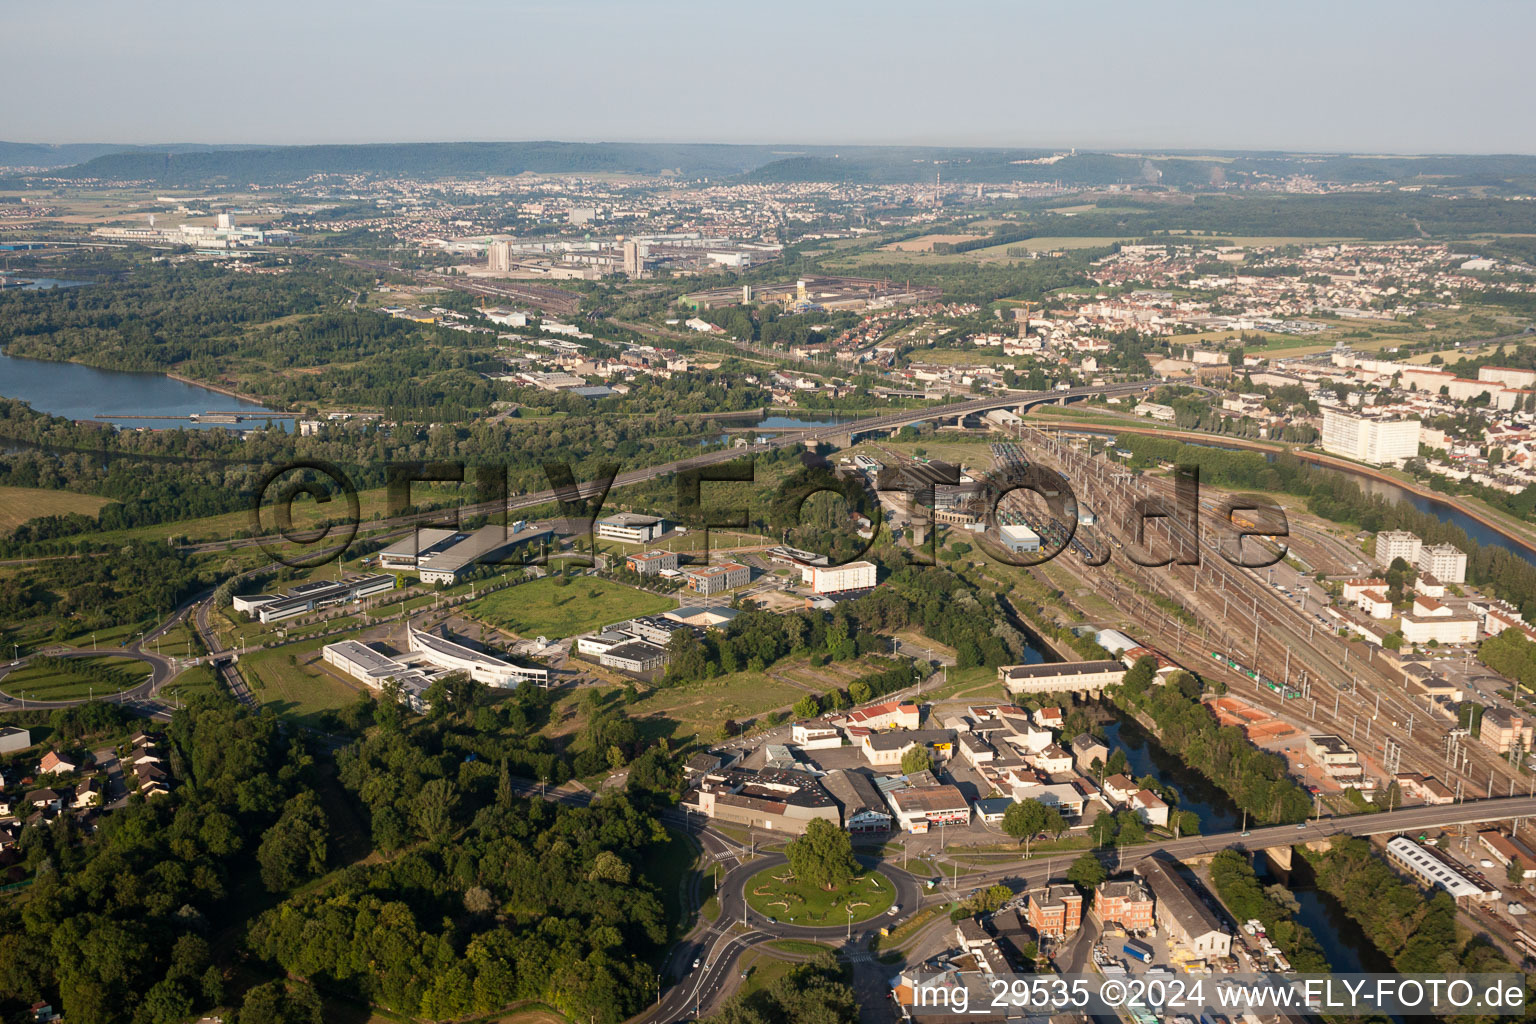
(895, 909)
(695, 962)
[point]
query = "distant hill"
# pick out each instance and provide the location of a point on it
(37, 154)
(192, 165)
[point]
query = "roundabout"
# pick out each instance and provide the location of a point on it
(776, 894)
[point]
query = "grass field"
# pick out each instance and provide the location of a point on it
(301, 687)
(774, 892)
(18, 504)
(194, 682)
(544, 608)
(36, 682)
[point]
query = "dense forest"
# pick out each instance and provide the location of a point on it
(119, 926)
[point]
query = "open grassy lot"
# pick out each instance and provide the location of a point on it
(194, 682)
(545, 608)
(72, 681)
(775, 892)
(293, 680)
(18, 504)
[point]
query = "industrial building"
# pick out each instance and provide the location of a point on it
(1060, 677)
(1181, 913)
(1019, 538)
(636, 656)
(630, 527)
(1433, 870)
(308, 597)
(444, 556)
(838, 578)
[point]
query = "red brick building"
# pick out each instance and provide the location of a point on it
(1128, 904)
(1055, 910)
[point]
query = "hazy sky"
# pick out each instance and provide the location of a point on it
(1355, 75)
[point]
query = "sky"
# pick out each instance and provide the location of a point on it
(1347, 75)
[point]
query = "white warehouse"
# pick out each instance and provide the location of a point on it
(837, 578)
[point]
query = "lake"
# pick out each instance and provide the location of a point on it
(115, 396)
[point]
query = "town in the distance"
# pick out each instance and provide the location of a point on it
(596, 583)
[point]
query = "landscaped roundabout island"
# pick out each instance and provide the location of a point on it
(776, 892)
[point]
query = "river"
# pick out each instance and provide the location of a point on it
(115, 396)
(1342, 941)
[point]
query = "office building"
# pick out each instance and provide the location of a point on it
(630, 527)
(1376, 440)
(636, 656)
(651, 563)
(308, 597)
(715, 579)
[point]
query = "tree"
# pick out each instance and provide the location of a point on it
(807, 706)
(1024, 819)
(918, 759)
(281, 1002)
(1516, 872)
(1086, 872)
(823, 855)
(294, 849)
(434, 809)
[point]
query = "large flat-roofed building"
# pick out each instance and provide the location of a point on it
(918, 808)
(375, 669)
(1377, 440)
(310, 597)
(838, 578)
(716, 579)
(1018, 538)
(1055, 910)
(636, 656)
(630, 527)
(780, 799)
(1182, 913)
(480, 666)
(1060, 677)
(1433, 870)
(863, 810)
(1442, 629)
(1126, 902)
(13, 739)
(651, 563)
(423, 542)
(492, 544)
(1445, 562)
